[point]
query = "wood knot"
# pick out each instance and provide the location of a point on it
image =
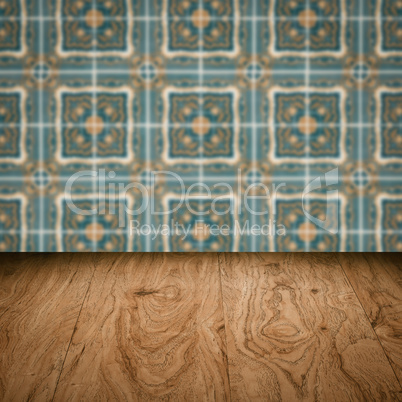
(273, 268)
(144, 292)
(315, 291)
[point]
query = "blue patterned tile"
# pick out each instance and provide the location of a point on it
(318, 29)
(391, 27)
(12, 225)
(12, 28)
(391, 224)
(211, 29)
(390, 120)
(84, 28)
(203, 225)
(314, 122)
(209, 120)
(83, 118)
(83, 233)
(304, 235)
(12, 136)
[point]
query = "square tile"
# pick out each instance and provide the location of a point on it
(202, 124)
(83, 28)
(309, 227)
(389, 127)
(94, 123)
(391, 26)
(12, 223)
(12, 124)
(317, 27)
(209, 28)
(12, 28)
(81, 232)
(390, 224)
(207, 231)
(307, 121)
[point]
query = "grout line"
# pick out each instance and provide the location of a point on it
(74, 330)
(41, 129)
(190, 71)
(200, 242)
(229, 177)
(254, 149)
(360, 139)
(249, 232)
(147, 114)
(57, 18)
(307, 114)
(189, 125)
(365, 313)
(123, 231)
(93, 124)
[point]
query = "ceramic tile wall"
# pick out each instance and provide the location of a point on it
(276, 92)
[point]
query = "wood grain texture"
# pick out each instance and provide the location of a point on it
(377, 281)
(40, 299)
(296, 331)
(151, 327)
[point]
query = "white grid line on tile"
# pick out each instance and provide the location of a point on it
(249, 232)
(307, 114)
(41, 128)
(148, 108)
(201, 97)
(254, 143)
(94, 126)
(206, 72)
(360, 112)
(189, 125)
(5, 176)
(255, 136)
(231, 178)
(245, 18)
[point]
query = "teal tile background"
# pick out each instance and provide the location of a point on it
(285, 90)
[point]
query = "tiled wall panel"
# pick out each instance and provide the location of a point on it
(217, 91)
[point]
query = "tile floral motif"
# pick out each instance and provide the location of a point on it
(11, 119)
(300, 121)
(211, 29)
(11, 224)
(82, 233)
(391, 223)
(391, 29)
(84, 28)
(201, 123)
(188, 218)
(390, 124)
(302, 231)
(12, 27)
(318, 28)
(274, 93)
(85, 120)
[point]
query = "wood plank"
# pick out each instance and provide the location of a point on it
(377, 281)
(296, 331)
(393, 265)
(40, 299)
(150, 328)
